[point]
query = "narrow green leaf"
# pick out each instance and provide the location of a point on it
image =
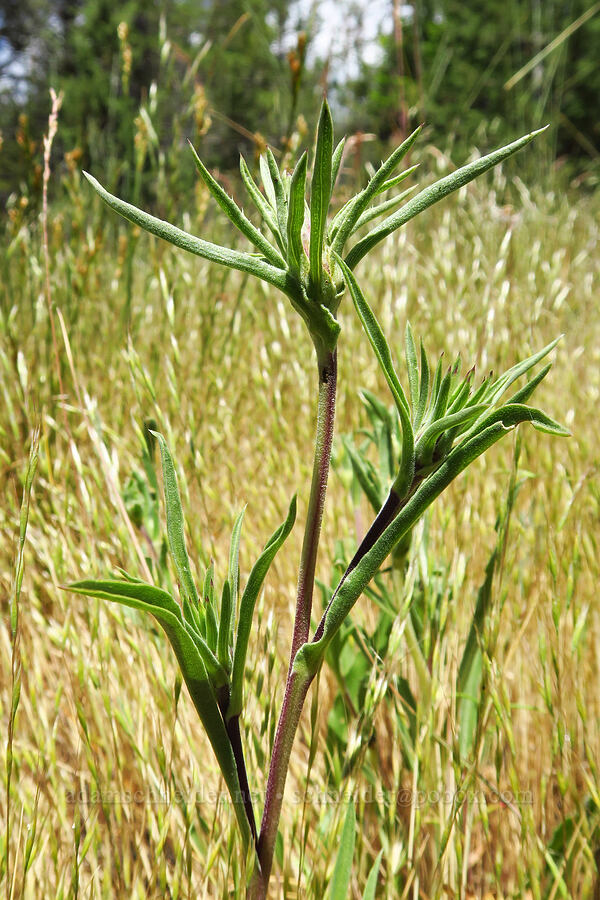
(235, 214)
(295, 220)
(320, 194)
(262, 205)
(425, 444)
(523, 395)
(501, 385)
(513, 414)
(224, 638)
(336, 162)
(433, 194)
(164, 609)
(340, 881)
(233, 573)
(397, 179)
(175, 522)
(371, 885)
(381, 209)
(412, 367)
(365, 475)
(310, 655)
(423, 389)
(265, 174)
(281, 205)
(350, 215)
(384, 357)
(248, 601)
(244, 262)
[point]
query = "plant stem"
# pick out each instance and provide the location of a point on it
(318, 489)
(297, 684)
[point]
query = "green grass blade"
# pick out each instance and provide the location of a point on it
(320, 194)
(236, 216)
(244, 262)
(248, 601)
(295, 221)
(175, 523)
(371, 885)
(340, 881)
(470, 673)
(349, 216)
(433, 194)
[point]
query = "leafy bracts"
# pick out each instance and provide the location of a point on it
(444, 429)
(307, 270)
(209, 639)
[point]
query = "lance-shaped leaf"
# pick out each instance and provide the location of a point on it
(262, 205)
(397, 179)
(381, 209)
(233, 259)
(310, 656)
(336, 161)
(501, 385)
(384, 357)
(280, 198)
(412, 366)
(371, 884)
(224, 636)
(295, 219)
(523, 395)
(320, 195)
(423, 389)
(426, 443)
(175, 522)
(164, 609)
(433, 194)
(365, 475)
(247, 604)
(235, 214)
(233, 571)
(346, 220)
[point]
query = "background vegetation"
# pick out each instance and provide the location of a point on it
(112, 793)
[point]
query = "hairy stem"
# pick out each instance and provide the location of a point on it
(318, 489)
(297, 684)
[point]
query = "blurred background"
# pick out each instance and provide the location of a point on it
(141, 77)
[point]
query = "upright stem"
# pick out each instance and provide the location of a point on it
(297, 684)
(316, 503)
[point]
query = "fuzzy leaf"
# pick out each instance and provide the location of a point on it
(175, 522)
(244, 262)
(433, 194)
(336, 161)
(295, 220)
(162, 606)
(260, 202)
(347, 218)
(281, 206)
(248, 601)
(235, 214)
(384, 357)
(320, 194)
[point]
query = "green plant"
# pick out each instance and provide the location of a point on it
(440, 429)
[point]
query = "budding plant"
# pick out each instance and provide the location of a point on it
(443, 423)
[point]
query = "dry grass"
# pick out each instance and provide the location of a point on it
(113, 786)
